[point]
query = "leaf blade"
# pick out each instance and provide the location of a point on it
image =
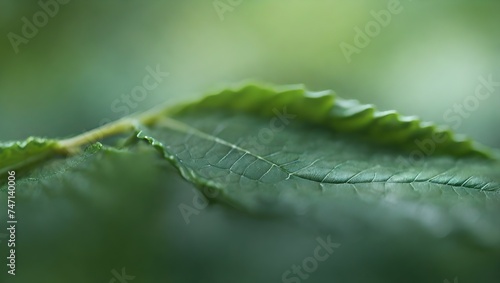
(368, 170)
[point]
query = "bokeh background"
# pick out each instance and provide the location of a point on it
(66, 78)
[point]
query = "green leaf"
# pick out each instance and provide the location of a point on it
(21, 153)
(326, 109)
(96, 202)
(327, 166)
(256, 143)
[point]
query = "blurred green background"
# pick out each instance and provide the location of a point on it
(63, 80)
(67, 78)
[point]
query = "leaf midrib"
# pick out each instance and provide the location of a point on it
(185, 128)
